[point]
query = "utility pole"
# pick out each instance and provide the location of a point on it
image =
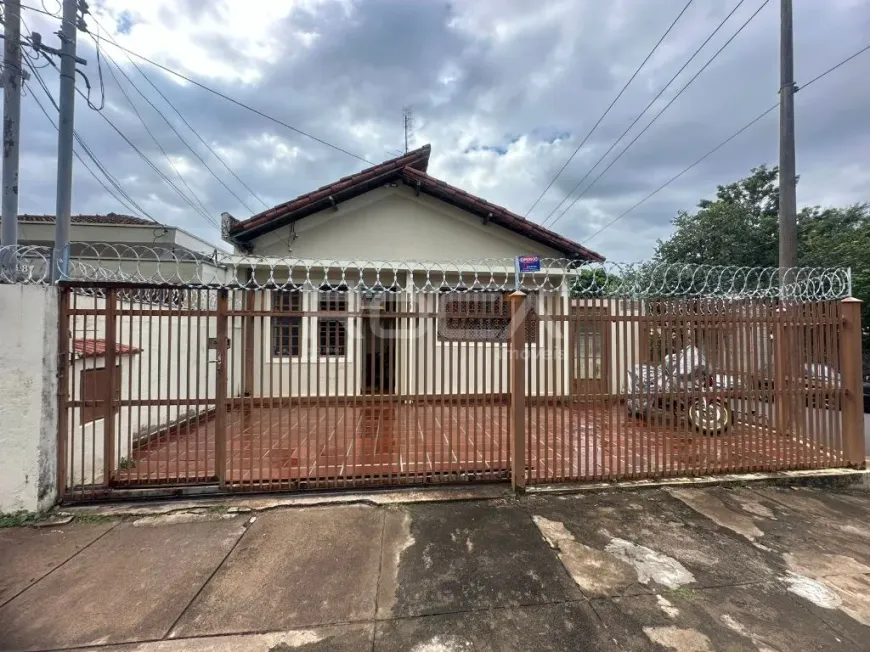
(12, 79)
(787, 172)
(65, 138)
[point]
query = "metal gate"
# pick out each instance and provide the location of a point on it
(404, 380)
(280, 388)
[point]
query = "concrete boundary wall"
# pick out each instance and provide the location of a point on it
(28, 397)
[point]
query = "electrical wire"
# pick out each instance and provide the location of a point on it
(192, 129)
(111, 61)
(218, 93)
(156, 142)
(100, 74)
(659, 114)
(150, 164)
(645, 109)
(33, 56)
(89, 152)
(125, 198)
(721, 145)
(607, 110)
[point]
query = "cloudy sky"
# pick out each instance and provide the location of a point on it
(504, 90)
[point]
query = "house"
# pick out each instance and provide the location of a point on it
(121, 247)
(370, 249)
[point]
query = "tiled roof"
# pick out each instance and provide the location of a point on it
(418, 159)
(94, 348)
(108, 218)
(411, 169)
(497, 214)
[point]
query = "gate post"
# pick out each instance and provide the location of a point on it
(518, 390)
(63, 358)
(109, 390)
(850, 368)
(220, 415)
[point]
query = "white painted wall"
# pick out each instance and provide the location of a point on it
(129, 234)
(394, 224)
(28, 397)
(173, 363)
(424, 365)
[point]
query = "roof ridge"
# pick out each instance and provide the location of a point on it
(417, 159)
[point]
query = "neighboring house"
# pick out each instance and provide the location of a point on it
(124, 247)
(386, 225)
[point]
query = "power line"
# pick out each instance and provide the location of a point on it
(189, 126)
(720, 145)
(646, 108)
(154, 138)
(607, 110)
(132, 206)
(157, 171)
(83, 162)
(91, 155)
(218, 93)
(658, 115)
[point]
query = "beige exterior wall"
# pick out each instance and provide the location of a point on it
(423, 365)
(394, 224)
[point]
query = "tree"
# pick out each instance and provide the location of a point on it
(591, 283)
(740, 227)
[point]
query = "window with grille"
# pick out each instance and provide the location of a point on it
(94, 383)
(481, 317)
(332, 332)
(286, 331)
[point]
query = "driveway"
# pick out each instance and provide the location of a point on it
(692, 570)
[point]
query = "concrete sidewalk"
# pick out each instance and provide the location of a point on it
(692, 570)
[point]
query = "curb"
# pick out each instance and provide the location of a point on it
(859, 478)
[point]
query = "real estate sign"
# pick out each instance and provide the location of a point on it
(529, 263)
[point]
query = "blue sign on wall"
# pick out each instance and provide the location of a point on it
(528, 264)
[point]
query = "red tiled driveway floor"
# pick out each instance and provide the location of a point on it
(397, 444)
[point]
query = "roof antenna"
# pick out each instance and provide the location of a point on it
(408, 119)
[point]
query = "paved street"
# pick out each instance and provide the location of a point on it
(692, 570)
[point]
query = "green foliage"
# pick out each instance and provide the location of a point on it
(17, 519)
(740, 227)
(590, 283)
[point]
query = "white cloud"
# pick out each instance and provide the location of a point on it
(504, 94)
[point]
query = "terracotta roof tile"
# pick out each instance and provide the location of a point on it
(108, 218)
(501, 215)
(418, 158)
(93, 348)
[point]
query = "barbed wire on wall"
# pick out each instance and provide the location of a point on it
(143, 264)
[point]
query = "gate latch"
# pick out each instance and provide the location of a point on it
(213, 343)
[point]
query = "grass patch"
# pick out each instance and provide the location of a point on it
(682, 592)
(93, 518)
(18, 519)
